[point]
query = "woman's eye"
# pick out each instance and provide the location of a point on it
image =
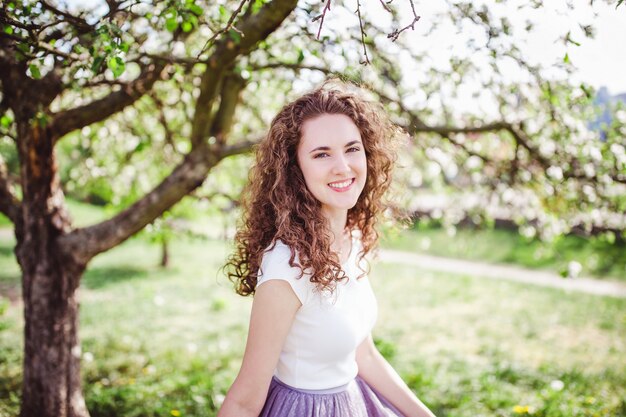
(321, 155)
(354, 149)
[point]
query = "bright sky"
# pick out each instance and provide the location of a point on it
(600, 61)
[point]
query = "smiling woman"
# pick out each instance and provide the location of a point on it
(310, 212)
(334, 169)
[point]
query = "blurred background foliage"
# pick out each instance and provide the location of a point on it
(532, 172)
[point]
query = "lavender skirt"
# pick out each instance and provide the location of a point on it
(355, 399)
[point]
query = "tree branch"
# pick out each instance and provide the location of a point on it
(396, 33)
(69, 120)
(446, 130)
(171, 59)
(229, 98)
(169, 134)
(239, 148)
(358, 12)
(85, 243)
(522, 139)
(321, 17)
(253, 28)
(225, 29)
(291, 66)
(78, 22)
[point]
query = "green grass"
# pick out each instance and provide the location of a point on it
(169, 342)
(598, 258)
(82, 213)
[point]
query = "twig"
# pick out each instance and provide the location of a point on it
(358, 12)
(78, 22)
(322, 16)
(396, 33)
(169, 135)
(188, 62)
(382, 2)
(229, 25)
(291, 66)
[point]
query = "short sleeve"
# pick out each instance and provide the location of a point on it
(275, 265)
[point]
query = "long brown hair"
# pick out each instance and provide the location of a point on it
(277, 204)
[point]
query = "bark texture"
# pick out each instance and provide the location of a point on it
(51, 384)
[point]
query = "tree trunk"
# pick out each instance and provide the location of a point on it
(51, 382)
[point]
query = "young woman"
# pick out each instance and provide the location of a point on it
(310, 212)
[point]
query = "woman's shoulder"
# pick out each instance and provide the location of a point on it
(276, 265)
(277, 260)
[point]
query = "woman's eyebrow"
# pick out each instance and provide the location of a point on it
(326, 148)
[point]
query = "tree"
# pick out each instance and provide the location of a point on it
(51, 255)
(172, 81)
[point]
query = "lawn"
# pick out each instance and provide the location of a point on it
(169, 342)
(598, 257)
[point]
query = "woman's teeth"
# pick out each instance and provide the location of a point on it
(342, 184)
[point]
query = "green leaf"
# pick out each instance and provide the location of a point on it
(193, 20)
(34, 71)
(23, 46)
(97, 64)
(8, 29)
(566, 58)
(124, 46)
(223, 12)
(116, 65)
(300, 56)
(171, 24)
(586, 90)
(235, 36)
(187, 26)
(257, 6)
(197, 10)
(619, 3)
(5, 121)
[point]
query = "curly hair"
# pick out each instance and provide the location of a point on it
(277, 204)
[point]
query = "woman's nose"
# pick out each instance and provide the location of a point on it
(341, 165)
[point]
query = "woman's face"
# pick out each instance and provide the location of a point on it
(332, 159)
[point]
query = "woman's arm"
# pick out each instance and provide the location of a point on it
(273, 310)
(377, 372)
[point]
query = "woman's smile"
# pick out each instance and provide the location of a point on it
(342, 186)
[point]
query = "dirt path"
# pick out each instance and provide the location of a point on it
(505, 272)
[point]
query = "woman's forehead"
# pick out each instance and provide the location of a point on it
(328, 130)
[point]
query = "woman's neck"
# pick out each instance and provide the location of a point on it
(337, 221)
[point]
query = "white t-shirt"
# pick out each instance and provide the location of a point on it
(319, 352)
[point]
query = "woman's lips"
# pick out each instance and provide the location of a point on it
(341, 186)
